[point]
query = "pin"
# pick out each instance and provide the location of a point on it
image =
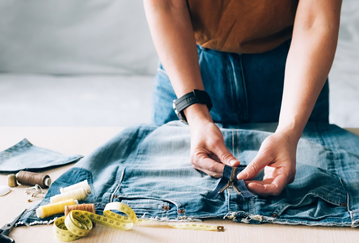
(34, 192)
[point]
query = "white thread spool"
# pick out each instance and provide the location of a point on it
(56, 208)
(83, 184)
(78, 194)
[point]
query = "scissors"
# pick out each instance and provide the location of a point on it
(5, 230)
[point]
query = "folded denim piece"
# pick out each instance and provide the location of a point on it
(148, 168)
(25, 156)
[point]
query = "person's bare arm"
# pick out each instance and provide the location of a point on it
(310, 58)
(173, 36)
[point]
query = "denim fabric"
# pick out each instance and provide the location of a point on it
(244, 88)
(25, 156)
(229, 179)
(148, 167)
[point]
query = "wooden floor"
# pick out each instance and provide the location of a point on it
(83, 140)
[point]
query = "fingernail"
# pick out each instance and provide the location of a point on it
(233, 162)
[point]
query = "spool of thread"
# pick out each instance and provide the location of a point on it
(84, 207)
(31, 179)
(11, 180)
(83, 184)
(56, 208)
(78, 194)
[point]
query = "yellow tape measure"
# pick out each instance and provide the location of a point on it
(78, 223)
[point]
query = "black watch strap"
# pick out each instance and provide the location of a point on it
(194, 97)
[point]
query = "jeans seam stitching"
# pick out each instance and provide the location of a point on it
(233, 83)
(245, 114)
(119, 185)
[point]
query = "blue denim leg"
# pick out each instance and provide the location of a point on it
(162, 98)
(244, 88)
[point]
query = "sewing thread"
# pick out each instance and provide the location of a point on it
(55, 208)
(31, 179)
(11, 180)
(84, 207)
(78, 194)
(83, 184)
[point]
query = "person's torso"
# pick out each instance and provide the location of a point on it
(242, 26)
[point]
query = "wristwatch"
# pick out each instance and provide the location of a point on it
(196, 96)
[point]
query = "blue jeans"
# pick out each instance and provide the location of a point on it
(244, 88)
(148, 167)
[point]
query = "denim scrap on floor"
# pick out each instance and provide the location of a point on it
(148, 168)
(25, 156)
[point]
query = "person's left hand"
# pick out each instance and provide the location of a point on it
(277, 155)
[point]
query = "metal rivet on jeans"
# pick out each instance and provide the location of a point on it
(275, 215)
(343, 204)
(181, 211)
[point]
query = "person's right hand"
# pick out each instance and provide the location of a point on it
(208, 152)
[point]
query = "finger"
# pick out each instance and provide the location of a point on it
(268, 187)
(208, 166)
(225, 156)
(258, 163)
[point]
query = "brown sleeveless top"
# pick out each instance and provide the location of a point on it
(242, 26)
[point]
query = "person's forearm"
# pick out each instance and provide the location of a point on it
(173, 36)
(308, 64)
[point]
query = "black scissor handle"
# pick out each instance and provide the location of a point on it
(6, 239)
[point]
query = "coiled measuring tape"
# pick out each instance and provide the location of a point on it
(78, 223)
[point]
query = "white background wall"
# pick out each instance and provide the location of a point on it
(91, 63)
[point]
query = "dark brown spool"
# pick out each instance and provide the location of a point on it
(84, 207)
(31, 178)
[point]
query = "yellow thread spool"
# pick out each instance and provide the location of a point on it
(83, 184)
(78, 194)
(56, 208)
(11, 180)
